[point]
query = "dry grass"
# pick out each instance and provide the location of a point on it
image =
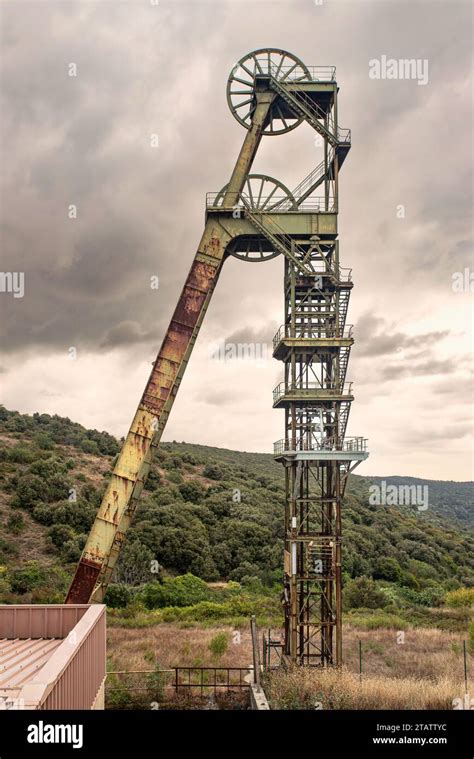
(424, 672)
(171, 645)
(341, 689)
(426, 653)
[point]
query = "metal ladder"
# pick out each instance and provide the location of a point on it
(305, 108)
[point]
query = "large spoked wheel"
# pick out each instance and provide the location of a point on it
(251, 249)
(284, 67)
(262, 193)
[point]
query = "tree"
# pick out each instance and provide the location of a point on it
(363, 593)
(387, 568)
(134, 565)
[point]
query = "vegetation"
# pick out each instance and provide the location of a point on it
(206, 542)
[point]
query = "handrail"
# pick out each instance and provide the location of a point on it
(349, 445)
(285, 245)
(330, 388)
(312, 111)
(282, 204)
(316, 73)
(304, 331)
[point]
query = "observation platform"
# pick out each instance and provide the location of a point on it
(351, 449)
(283, 343)
(284, 394)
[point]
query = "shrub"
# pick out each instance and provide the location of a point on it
(71, 549)
(387, 568)
(16, 523)
(60, 534)
(31, 489)
(20, 455)
(461, 597)
(7, 549)
(185, 590)
(219, 644)
(31, 576)
(47, 468)
(363, 593)
(44, 441)
(192, 491)
(44, 513)
(213, 472)
(90, 446)
(134, 565)
(429, 596)
(118, 595)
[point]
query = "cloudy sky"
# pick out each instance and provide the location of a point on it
(147, 68)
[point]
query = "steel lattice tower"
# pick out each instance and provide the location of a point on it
(255, 218)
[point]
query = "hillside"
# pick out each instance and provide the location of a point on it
(452, 501)
(215, 513)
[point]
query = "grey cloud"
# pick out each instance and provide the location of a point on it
(411, 369)
(435, 435)
(250, 334)
(375, 337)
(125, 333)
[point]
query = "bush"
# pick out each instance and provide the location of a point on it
(461, 597)
(20, 455)
(387, 568)
(31, 576)
(134, 565)
(118, 595)
(213, 472)
(430, 596)
(363, 593)
(31, 489)
(16, 523)
(44, 441)
(71, 550)
(90, 446)
(219, 644)
(192, 491)
(60, 534)
(7, 549)
(185, 590)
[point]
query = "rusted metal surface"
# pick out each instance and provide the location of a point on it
(108, 532)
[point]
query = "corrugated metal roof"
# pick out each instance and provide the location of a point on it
(21, 659)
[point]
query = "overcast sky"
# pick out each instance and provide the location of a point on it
(84, 140)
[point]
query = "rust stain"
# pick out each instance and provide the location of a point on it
(83, 583)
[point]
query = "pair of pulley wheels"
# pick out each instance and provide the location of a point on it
(261, 192)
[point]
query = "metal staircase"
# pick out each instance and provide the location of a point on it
(303, 105)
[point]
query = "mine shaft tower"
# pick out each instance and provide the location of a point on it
(255, 218)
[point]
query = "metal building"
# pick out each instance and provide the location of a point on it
(255, 218)
(52, 656)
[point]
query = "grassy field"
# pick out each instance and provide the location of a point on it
(421, 669)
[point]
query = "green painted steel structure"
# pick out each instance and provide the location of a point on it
(255, 218)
